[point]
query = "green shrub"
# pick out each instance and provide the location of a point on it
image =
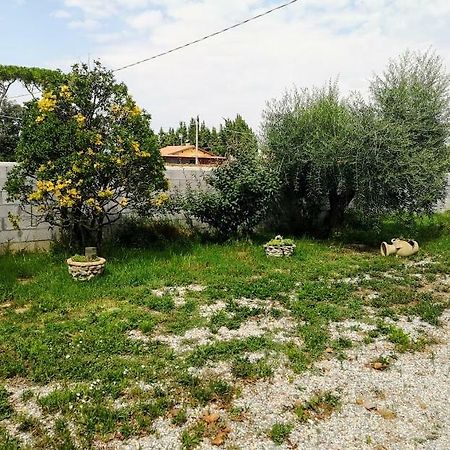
(239, 196)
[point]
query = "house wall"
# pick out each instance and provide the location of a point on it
(33, 236)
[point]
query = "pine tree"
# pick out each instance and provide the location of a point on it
(192, 130)
(204, 136)
(182, 133)
(236, 135)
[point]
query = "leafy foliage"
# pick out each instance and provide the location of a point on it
(239, 196)
(86, 153)
(310, 139)
(279, 241)
(10, 115)
(29, 75)
(390, 155)
(407, 132)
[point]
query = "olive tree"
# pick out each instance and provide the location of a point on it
(309, 138)
(387, 155)
(407, 135)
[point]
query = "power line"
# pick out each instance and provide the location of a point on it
(196, 41)
(19, 96)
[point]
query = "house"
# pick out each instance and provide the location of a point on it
(188, 154)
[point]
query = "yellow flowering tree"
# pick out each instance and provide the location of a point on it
(85, 154)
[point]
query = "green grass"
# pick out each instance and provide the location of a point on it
(5, 407)
(280, 432)
(318, 407)
(54, 329)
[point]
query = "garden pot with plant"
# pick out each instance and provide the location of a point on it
(87, 266)
(279, 247)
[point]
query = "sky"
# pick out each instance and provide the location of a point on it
(306, 44)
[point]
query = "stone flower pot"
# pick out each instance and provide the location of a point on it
(279, 247)
(86, 270)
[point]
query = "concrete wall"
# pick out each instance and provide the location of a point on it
(31, 235)
(34, 236)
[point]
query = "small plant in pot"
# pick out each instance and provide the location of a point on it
(279, 247)
(87, 266)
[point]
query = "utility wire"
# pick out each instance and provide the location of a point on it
(19, 96)
(196, 41)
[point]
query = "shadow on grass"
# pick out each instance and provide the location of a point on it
(424, 229)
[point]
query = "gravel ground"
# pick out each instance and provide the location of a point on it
(402, 407)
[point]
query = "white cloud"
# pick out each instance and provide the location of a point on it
(306, 44)
(85, 24)
(61, 14)
(147, 20)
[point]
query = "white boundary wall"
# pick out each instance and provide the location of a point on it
(33, 236)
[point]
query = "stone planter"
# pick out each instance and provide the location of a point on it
(279, 250)
(85, 271)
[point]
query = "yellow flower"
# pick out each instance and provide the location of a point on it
(61, 184)
(73, 193)
(66, 201)
(81, 120)
(91, 201)
(137, 150)
(135, 111)
(65, 92)
(98, 139)
(123, 202)
(40, 119)
(47, 102)
(35, 196)
(105, 193)
(45, 185)
(90, 152)
(161, 199)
